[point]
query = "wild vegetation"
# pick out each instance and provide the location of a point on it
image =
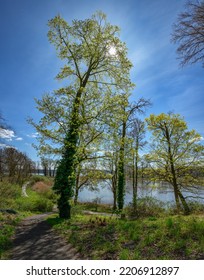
(156, 234)
(90, 131)
(106, 234)
(14, 207)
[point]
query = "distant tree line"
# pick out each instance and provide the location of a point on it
(46, 166)
(15, 165)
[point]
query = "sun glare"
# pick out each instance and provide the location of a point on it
(112, 51)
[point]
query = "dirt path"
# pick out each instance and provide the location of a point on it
(36, 240)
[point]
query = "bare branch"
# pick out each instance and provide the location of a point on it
(188, 32)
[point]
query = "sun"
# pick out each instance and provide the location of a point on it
(112, 51)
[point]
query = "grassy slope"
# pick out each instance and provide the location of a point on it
(168, 237)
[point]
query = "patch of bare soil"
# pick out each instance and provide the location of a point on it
(36, 240)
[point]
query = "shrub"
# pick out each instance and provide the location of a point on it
(10, 197)
(196, 207)
(38, 178)
(44, 189)
(8, 194)
(34, 204)
(43, 205)
(147, 206)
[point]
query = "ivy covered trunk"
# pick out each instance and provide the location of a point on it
(114, 189)
(66, 172)
(121, 171)
(65, 178)
(121, 182)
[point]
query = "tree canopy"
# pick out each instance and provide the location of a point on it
(175, 153)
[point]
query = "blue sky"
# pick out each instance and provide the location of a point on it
(28, 63)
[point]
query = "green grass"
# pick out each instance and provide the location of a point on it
(154, 235)
(10, 198)
(34, 202)
(170, 237)
(93, 206)
(7, 228)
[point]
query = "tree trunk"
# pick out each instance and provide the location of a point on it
(114, 190)
(184, 203)
(76, 196)
(121, 171)
(133, 183)
(66, 171)
(176, 196)
(173, 172)
(135, 189)
(76, 189)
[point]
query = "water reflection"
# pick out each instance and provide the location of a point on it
(161, 191)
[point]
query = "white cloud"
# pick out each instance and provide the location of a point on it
(19, 139)
(7, 134)
(33, 135)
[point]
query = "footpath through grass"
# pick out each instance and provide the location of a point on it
(39, 200)
(167, 237)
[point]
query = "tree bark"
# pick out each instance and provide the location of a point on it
(177, 193)
(121, 173)
(135, 186)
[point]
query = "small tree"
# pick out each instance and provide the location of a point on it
(175, 151)
(188, 32)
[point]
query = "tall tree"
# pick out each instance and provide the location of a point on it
(96, 64)
(137, 135)
(188, 32)
(128, 114)
(175, 151)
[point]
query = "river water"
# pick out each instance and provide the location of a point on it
(161, 191)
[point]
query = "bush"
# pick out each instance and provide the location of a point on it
(34, 203)
(196, 207)
(147, 206)
(10, 197)
(39, 178)
(8, 194)
(43, 205)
